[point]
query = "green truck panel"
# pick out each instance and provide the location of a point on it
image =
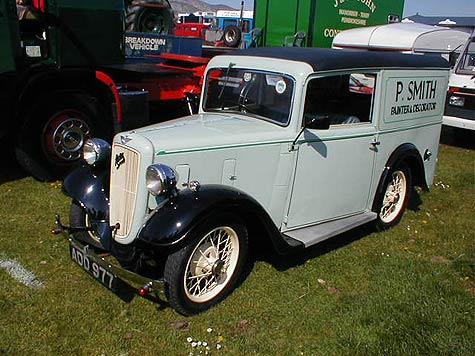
(79, 40)
(9, 37)
(321, 20)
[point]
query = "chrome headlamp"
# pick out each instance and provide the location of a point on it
(96, 151)
(160, 179)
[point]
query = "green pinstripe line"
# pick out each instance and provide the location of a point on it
(410, 127)
(163, 152)
(334, 138)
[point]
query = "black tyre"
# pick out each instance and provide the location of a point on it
(149, 16)
(232, 36)
(206, 270)
(50, 142)
(391, 203)
(79, 219)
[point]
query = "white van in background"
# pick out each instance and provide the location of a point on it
(460, 105)
(427, 40)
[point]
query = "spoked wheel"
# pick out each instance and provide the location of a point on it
(205, 271)
(392, 202)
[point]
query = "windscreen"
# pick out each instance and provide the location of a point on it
(467, 60)
(263, 95)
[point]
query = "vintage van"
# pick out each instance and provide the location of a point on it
(291, 146)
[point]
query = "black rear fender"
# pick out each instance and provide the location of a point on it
(406, 154)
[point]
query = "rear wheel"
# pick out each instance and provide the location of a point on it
(51, 140)
(149, 16)
(206, 270)
(232, 36)
(391, 202)
(78, 218)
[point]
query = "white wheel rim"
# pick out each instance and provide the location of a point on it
(91, 234)
(211, 264)
(394, 196)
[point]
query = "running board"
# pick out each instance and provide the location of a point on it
(314, 234)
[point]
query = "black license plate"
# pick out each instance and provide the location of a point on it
(105, 277)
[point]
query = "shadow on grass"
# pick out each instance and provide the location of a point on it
(127, 293)
(300, 256)
(458, 137)
(10, 171)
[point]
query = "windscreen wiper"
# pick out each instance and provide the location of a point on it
(225, 83)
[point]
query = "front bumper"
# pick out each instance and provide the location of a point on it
(459, 122)
(106, 270)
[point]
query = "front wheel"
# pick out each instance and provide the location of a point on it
(78, 218)
(391, 202)
(206, 270)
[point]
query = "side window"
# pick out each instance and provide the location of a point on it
(340, 99)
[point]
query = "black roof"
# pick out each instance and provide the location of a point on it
(329, 59)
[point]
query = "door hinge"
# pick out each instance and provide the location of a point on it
(285, 220)
(293, 147)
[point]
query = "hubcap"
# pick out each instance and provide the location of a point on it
(152, 22)
(394, 197)
(64, 136)
(212, 264)
(230, 36)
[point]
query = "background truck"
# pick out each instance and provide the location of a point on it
(64, 77)
(225, 28)
(314, 23)
(460, 105)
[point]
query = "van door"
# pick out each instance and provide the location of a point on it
(9, 37)
(334, 169)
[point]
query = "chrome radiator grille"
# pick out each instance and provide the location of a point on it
(123, 188)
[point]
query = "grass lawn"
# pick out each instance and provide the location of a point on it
(406, 291)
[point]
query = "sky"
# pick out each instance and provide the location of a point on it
(411, 7)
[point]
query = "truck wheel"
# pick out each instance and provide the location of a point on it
(51, 140)
(78, 218)
(206, 270)
(232, 36)
(149, 16)
(391, 202)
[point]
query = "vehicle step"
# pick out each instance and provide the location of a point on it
(313, 234)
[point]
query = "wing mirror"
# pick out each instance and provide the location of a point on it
(317, 122)
(313, 122)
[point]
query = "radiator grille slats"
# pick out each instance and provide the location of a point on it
(123, 189)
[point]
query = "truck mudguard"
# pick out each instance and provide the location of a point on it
(171, 222)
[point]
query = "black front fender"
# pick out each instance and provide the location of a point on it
(171, 222)
(89, 186)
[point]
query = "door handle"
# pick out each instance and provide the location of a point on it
(375, 142)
